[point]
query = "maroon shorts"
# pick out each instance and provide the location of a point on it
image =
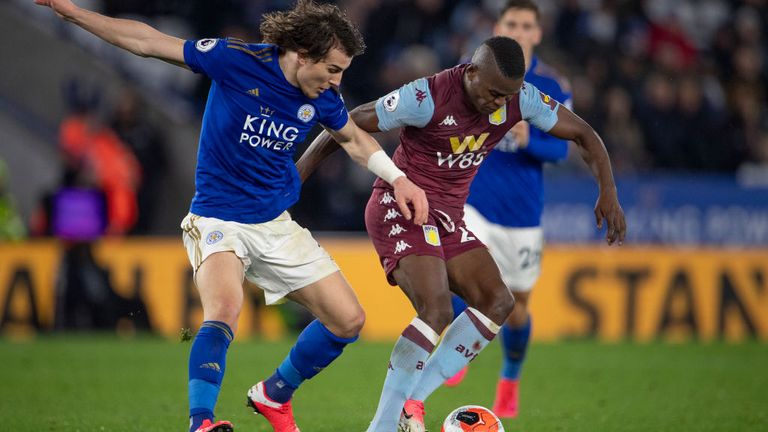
(444, 235)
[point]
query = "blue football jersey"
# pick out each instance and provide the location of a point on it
(254, 120)
(508, 189)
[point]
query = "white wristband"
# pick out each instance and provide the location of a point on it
(381, 165)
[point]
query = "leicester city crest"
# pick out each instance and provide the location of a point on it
(499, 116)
(306, 113)
(214, 237)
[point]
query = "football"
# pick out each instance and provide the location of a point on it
(472, 418)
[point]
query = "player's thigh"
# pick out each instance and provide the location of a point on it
(285, 258)
(332, 300)
(517, 252)
(424, 280)
(218, 259)
(219, 281)
(474, 276)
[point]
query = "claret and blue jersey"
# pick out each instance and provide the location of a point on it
(518, 171)
(253, 122)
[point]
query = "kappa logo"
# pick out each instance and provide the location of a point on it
(306, 113)
(420, 96)
(214, 237)
(448, 121)
(387, 198)
(396, 230)
(401, 246)
(205, 45)
(431, 235)
(391, 214)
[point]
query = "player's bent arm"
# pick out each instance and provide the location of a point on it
(571, 127)
(325, 144)
(366, 151)
(134, 36)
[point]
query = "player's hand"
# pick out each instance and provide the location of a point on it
(63, 8)
(407, 192)
(608, 208)
(521, 132)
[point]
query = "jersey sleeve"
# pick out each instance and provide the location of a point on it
(537, 108)
(210, 57)
(410, 105)
(335, 115)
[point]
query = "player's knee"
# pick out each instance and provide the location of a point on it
(349, 325)
(438, 316)
(498, 306)
(519, 314)
(224, 312)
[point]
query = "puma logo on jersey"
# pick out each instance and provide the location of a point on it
(396, 230)
(401, 246)
(391, 214)
(387, 198)
(448, 121)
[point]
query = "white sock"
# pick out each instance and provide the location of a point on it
(406, 365)
(469, 333)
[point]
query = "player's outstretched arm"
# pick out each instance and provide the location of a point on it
(364, 116)
(569, 126)
(365, 150)
(133, 36)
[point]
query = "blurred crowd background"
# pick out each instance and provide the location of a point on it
(672, 86)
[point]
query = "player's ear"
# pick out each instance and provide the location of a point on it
(302, 57)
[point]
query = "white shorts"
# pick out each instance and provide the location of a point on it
(279, 256)
(517, 251)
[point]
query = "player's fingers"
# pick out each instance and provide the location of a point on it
(622, 229)
(403, 204)
(421, 208)
(599, 218)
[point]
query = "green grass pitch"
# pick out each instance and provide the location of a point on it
(100, 383)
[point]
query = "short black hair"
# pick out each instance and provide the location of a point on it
(508, 55)
(520, 4)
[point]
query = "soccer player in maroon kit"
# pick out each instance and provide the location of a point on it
(450, 121)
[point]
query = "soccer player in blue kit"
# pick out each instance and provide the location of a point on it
(506, 198)
(264, 99)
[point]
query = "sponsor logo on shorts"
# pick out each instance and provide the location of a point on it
(214, 237)
(391, 214)
(205, 45)
(430, 235)
(401, 246)
(306, 113)
(396, 230)
(387, 198)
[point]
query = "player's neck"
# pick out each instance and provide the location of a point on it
(289, 64)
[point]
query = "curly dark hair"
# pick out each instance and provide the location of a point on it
(312, 29)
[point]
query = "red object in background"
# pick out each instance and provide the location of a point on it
(110, 165)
